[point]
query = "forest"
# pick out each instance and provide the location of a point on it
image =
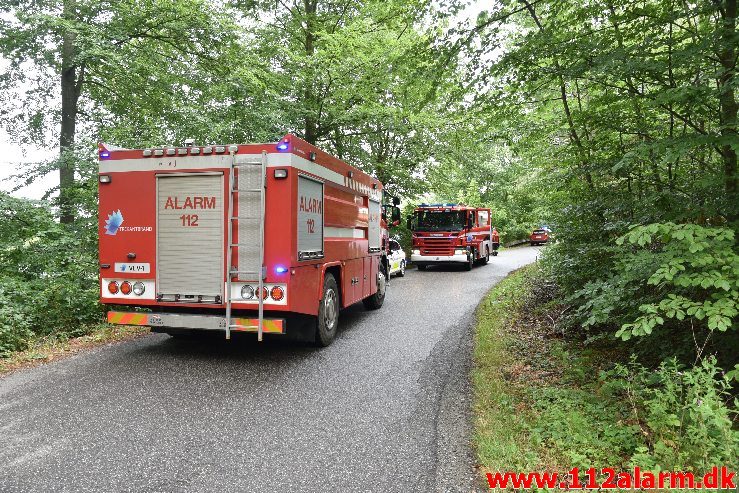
(612, 121)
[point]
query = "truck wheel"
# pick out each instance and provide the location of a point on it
(486, 258)
(401, 272)
(375, 301)
(470, 261)
(421, 266)
(328, 312)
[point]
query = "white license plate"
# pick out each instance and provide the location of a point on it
(136, 268)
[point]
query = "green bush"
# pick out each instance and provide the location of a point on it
(48, 281)
(676, 280)
(685, 414)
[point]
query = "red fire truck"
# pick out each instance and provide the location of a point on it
(450, 233)
(260, 238)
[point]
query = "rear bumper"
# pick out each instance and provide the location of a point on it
(197, 322)
(440, 259)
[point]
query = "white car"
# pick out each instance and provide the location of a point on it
(397, 259)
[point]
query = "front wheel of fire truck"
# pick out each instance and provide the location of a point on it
(484, 260)
(328, 312)
(375, 301)
(470, 261)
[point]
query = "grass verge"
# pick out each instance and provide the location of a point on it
(55, 347)
(539, 404)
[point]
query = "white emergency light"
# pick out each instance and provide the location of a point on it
(280, 173)
(104, 178)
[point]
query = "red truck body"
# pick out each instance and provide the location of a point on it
(449, 234)
(206, 229)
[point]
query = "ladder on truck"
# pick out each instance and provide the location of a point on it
(246, 167)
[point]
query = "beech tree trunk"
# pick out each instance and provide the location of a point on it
(71, 80)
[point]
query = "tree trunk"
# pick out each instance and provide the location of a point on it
(70, 91)
(727, 58)
(309, 98)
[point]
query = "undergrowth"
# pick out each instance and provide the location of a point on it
(547, 400)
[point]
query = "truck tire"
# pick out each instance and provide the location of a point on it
(486, 258)
(328, 312)
(376, 300)
(401, 272)
(470, 261)
(421, 266)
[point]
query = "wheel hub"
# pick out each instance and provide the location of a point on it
(330, 310)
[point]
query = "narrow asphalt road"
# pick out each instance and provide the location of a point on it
(386, 408)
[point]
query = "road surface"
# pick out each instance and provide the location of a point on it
(383, 409)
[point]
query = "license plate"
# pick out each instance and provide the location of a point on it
(136, 268)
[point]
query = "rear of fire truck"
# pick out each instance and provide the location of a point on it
(242, 238)
(450, 234)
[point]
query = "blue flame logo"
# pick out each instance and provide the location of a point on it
(113, 222)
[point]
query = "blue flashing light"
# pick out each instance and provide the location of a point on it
(104, 155)
(282, 146)
(280, 269)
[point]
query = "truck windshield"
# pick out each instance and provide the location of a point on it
(440, 220)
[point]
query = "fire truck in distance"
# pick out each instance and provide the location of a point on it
(264, 238)
(450, 233)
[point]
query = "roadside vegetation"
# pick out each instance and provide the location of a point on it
(545, 400)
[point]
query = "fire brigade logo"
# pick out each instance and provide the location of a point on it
(114, 221)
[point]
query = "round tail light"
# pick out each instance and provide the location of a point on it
(265, 293)
(247, 292)
(126, 287)
(277, 293)
(138, 288)
(113, 287)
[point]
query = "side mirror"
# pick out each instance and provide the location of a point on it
(409, 222)
(395, 214)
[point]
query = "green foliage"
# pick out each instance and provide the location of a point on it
(680, 278)
(684, 414)
(696, 276)
(557, 403)
(48, 281)
(585, 428)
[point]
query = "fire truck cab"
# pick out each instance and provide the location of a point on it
(264, 238)
(450, 233)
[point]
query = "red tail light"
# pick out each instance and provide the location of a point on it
(126, 287)
(113, 287)
(277, 293)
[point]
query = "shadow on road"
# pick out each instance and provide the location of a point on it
(243, 346)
